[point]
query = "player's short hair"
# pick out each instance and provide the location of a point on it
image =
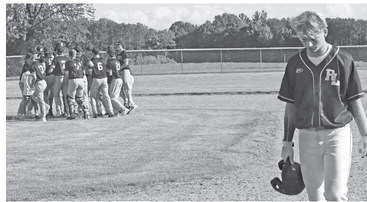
(111, 51)
(95, 50)
(309, 22)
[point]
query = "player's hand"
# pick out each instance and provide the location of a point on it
(362, 148)
(51, 69)
(288, 152)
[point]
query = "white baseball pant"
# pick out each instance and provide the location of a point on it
(325, 157)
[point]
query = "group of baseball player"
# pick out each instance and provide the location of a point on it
(75, 81)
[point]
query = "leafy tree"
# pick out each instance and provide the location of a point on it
(166, 39)
(182, 30)
(26, 22)
(282, 31)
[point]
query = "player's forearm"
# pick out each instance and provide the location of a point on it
(51, 69)
(289, 126)
(126, 62)
(359, 116)
(109, 72)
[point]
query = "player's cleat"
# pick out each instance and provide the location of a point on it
(58, 114)
(43, 119)
(71, 118)
(111, 115)
(21, 116)
(132, 108)
(50, 114)
(86, 115)
(37, 117)
(123, 112)
(95, 116)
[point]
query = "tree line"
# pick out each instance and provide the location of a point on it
(30, 25)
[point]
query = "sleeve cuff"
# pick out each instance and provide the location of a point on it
(354, 97)
(285, 99)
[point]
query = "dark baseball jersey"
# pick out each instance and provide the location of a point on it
(121, 57)
(99, 68)
(321, 93)
(48, 62)
(114, 65)
(75, 69)
(40, 70)
(59, 62)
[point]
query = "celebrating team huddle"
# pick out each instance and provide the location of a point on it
(73, 81)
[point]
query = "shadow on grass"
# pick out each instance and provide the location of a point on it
(33, 119)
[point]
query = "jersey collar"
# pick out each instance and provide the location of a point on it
(327, 59)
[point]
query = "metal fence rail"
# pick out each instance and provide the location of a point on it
(179, 61)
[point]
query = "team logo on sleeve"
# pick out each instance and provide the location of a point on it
(332, 76)
(299, 70)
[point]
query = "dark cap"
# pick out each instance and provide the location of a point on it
(60, 50)
(121, 43)
(39, 49)
(59, 44)
(95, 51)
(72, 53)
(78, 49)
(29, 56)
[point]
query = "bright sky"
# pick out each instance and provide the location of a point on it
(161, 16)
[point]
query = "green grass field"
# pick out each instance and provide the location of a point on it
(193, 137)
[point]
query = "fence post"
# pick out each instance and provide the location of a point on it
(261, 60)
(141, 63)
(221, 61)
(181, 62)
(285, 59)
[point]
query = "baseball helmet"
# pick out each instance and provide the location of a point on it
(292, 179)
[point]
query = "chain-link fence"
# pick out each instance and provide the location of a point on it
(180, 61)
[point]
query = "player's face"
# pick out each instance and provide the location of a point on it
(313, 42)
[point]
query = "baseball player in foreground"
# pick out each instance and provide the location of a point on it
(322, 91)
